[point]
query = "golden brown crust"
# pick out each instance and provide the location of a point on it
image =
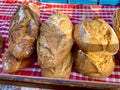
(116, 22)
(34, 8)
(11, 64)
(116, 26)
(62, 70)
(96, 36)
(24, 31)
(92, 65)
(55, 40)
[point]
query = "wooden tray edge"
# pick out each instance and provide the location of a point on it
(49, 82)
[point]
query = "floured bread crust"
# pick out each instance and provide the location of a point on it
(55, 40)
(96, 66)
(62, 70)
(96, 36)
(24, 31)
(116, 26)
(11, 64)
(23, 34)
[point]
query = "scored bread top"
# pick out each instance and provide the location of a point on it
(24, 31)
(96, 36)
(55, 40)
(62, 22)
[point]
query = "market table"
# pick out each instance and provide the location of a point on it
(31, 76)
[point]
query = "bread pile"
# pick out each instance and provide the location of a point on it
(54, 46)
(97, 43)
(23, 33)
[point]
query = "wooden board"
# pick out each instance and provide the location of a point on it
(52, 83)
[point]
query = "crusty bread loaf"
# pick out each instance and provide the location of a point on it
(62, 70)
(55, 40)
(96, 66)
(23, 33)
(116, 26)
(12, 64)
(24, 30)
(97, 43)
(116, 22)
(96, 36)
(34, 9)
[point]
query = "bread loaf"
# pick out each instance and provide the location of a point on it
(24, 30)
(23, 33)
(96, 66)
(97, 45)
(96, 36)
(62, 70)
(116, 26)
(12, 64)
(55, 40)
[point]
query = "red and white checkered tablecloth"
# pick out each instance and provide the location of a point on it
(75, 12)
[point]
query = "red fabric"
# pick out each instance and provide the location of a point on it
(22, 1)
(75, 12)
